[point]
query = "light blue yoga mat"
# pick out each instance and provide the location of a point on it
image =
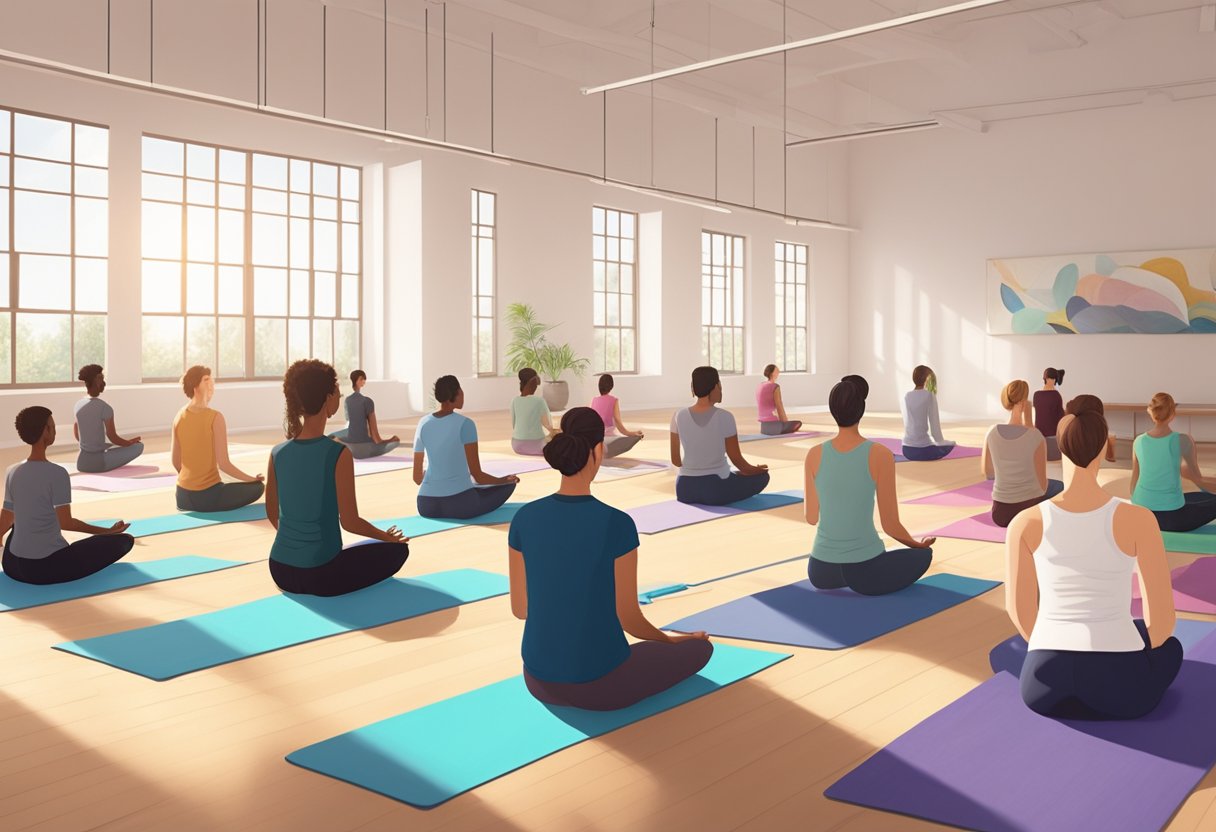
(15, 595)
(432, 754)
(830, 619)
(416, 526)
(163, 651)
(187, 520)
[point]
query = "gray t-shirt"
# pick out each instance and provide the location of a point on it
(358, 408)
(32, 492)
(703, 437)
(91, 417)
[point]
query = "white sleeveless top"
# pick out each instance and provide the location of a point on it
(1085, 584)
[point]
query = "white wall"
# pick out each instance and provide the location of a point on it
(934, 206)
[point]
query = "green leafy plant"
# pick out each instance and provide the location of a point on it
(530, 347)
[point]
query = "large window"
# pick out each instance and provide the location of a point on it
(54, 240)
(722, 301)
(483, 240)
(250, 261)
(790, 259)
(614, 290)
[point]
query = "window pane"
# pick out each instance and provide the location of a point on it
(324, 295)
(269, 346)
(301, 175)
(346, 344)
(301, 294)
(269, 292)
(323, 342)
(301, 205)
(43, 138)
(44, 282)
(485, 208)
(200, 234)
(156, 186)
(300, 244)
(350, 247)
(350, 183)
(5, 128)
(232, 291)
(162, 286)
(628, 356)
(92, 227)
(232, 196)
(326, 209)
(42, 176)
(91, 285)
(232, 347)
(232, 237)
(232, 167)
(4, 286)
(44, 348)
(269, 240)
(597, 220)
(350, 296)
(199, 192)
(350, 211)
(200, 288)
(325, 180)
(271, 202)
(325, 245)
(163, 156)
(3, 219)
(92, 182)
(162, 231)
(6, 375)
(270, 171)
(298, 341)
(200, 161)
(200, 341)
(162, 353)
(42, 223)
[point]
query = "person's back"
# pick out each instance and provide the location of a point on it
(196, 438)
(526, 412)
(91, 415)
(358, 406)
(1012, 449)
(917, 406)
(1048, 410)
(846, 492)
(33, 490)
(309, 532)
(605, 406)
(1159, 481)
(443, 441)
(766, 405)
(703, 436)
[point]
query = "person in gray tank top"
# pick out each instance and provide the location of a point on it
(362, 434)
(844, 478)
(94, 425)
(1015, 458)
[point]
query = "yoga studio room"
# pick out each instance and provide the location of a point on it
(607, 415)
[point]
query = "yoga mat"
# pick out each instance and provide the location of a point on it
(429, 755)
(383, 464)
(1011, 653)
(98, 482)
(1194, 588)
(672, 514)
(164, 651)
(979, 527)
(971, 496)
(15, 595)
(897, 445)
(124, 472)
(187, 520)
(417, 526)
(802, 434)
(508, 467)
(988, 762)
(620, 468)
(1202, 541)
(830, 619)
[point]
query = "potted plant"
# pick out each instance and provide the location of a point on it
(529, 347)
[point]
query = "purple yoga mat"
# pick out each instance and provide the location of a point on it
(672, 514)
(979, 527)
(1194, 588)
(507, 467)
(125, 472)
(895, 446)
(97, 482)
(970, 496)
(383, 464)
(988, 762)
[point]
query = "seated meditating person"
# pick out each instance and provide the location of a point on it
(94, 425)
(1161, 458)
(1015, 458)
(198, 446)
(923, 440)
(844, 477)
(38, 506)
(574, 580)
(617, 437)
(707, 436)
(531, 426)
(310, 498)
(447, 468)
(1049, 410)
(1068, 591)
(362, 434)
(773, 420)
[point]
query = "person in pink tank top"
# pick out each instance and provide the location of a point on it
(609, 409)
(773, 421)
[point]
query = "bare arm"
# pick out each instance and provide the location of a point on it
(1040, 464)
(348, 504)
(986, 467)
(811, 501)
(419, 467)
(479, 476)
(76, 431)
(373, 430)
(1138, 535)
(675, 449)
(219, 435)
(1022, 586)
(735, 454)
(1190, 461)
(6, 522)
(175, 448)
(112, 435)
(517, 576)
(70, 524)
(547, 423)
(780, 406)
(272, 494)
(882, 469)
(629, 611)
(1135, 469)
(616, 417)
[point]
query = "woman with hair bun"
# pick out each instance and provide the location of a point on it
(609, 409)
(1049, 410)
(574, 580)
(531, 425)
(1015, 458)
(1161, 459)
(1070, 563)
(310, 498)
(771, 410)
(923, 441)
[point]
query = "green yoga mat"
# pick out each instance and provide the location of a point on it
(15, 595)
(432, 754)
(416, 526)
(164, 651)
(1202, 541)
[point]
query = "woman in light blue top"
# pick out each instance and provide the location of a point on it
(531, 426)
(1160, 459)
(923, 441)
(448, 441)
(843, 478)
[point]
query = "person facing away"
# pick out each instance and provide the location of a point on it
(1068, 591)
(198, 445)
(362, 434)
(772, 416)
(1049, 410)
(38, 507)
(94, 425)
(531, 424)
(310, 498)
(706, 435)
(923, 441)
(1015, 458)
(609, 408)
(447, 466)
(574, 580)
(844, 477)
(1161, 458)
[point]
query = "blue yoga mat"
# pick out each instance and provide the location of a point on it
(163, 651)
(15, 595)
(1010, 654)
(432, 754)
(187, 520)
(831, 619)
(416, 526)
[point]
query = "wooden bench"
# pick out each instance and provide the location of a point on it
(1141, 409)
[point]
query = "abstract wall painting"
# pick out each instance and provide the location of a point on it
(1137, 292)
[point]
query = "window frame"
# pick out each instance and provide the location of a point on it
(783, 288)
(475, 225)
(737, 316)
(618, 294)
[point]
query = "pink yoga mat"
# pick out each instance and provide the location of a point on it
(970, 496)
(896, 447)
(124, 472)
(979, 527)
(1194, 588)
(98, 482)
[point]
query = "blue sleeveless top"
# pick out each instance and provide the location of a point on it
(310, 532)
(846, 507)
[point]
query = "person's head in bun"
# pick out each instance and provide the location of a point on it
(579, 448)
(529, 380)
(862, 384)
(772, 372)
(1162, 408)
(706, 384)
(94, 379)
(1084, 402)
(847, 401)
(1053, 377)
(1082, 434)
(448, 393)
(1014, 394)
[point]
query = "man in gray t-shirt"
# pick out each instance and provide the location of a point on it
(94, 424)
(362, 435)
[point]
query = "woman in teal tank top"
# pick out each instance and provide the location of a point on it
(1160, 460)
(310, 498)
(844, 478)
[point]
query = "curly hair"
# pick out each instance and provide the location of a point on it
(306, 386)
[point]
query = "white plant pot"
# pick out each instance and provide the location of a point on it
(556, 394)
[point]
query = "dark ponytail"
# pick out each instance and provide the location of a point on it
(306, 386)
(569, 451)
(1055, 375)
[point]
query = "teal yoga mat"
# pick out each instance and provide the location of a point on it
(15, 595)
(1202, 541)
(416, 526)
(436, 752)
(164, 651)
(186, 520)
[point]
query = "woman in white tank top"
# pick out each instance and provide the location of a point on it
(1069, 590)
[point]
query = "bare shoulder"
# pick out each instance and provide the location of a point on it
(1027, 525)
(1135, 516)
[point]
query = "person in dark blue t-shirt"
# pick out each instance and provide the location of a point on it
(574, 579)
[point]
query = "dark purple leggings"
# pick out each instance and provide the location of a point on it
(652, 667)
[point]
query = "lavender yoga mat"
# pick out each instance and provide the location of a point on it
(124, 472)
(672, 514)
(1194, 588)
(895, 446)
(988, 762)
(969, 496)
(979, 527)
(98, 482)
(802, 434)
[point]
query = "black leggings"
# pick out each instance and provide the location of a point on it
(1198, 510)
(77, 560)
(223, 496)
(779, 428)
(929, 453)
(617, 445)
(355, 567)
(1072, 684)
(889, 572)
(652, 667)
(467, 504)
(713, 490)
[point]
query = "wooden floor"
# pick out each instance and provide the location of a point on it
(84, 746)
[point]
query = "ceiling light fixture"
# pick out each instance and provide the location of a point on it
(708, 206)
(911, 127)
